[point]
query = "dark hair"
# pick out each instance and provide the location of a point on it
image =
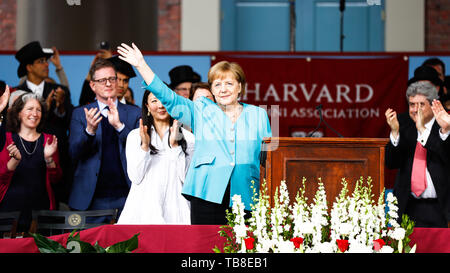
(99, 64)
(147, 119)
(435, 61)
(199, 85)
(13, 120)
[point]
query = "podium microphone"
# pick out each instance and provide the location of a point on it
(319, 108)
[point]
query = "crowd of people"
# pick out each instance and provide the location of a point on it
(109, 152)
(180, 156)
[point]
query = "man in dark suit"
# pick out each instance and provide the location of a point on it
(98, 133)
(417, 148)
(33, 61)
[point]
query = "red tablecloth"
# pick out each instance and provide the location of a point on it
(152, 238)
(192, 239)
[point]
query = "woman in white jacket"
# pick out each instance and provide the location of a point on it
(158, 156)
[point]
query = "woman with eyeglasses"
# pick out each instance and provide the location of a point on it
(29, 161)
(158, 156)
(228, 137)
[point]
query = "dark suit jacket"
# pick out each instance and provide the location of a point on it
(86, 151)
(402, 156)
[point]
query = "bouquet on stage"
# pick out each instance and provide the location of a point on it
(355, 223)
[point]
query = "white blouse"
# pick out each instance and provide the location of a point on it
(157, 179)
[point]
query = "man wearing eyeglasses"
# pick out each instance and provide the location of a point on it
(34, 65)
(98, 133)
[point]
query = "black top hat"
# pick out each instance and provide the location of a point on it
(182, 73)
(28, 54)
(122, 66)
(426, 73)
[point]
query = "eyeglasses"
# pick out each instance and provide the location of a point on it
(104, 80)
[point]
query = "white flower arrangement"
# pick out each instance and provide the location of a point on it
(354, 223)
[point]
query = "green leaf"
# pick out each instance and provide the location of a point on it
(99, 248)
(46, 245)
(125, 246)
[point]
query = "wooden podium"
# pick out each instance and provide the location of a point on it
(331, 159)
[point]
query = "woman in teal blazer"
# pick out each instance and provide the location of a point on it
(228, 137)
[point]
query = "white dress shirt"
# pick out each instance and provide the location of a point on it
(422, 138)
(36, 89)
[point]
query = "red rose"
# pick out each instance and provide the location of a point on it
(249, 243)
(342, 245)
(297, 241)
(378, 244)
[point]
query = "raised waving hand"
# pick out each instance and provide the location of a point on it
(132, 55)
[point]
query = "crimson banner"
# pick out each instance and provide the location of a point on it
(352, 92)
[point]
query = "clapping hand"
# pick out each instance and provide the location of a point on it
(145, 137)
(14, 155)
(4, 99)
(131, 55)
(50, 148)
(442, 117)
(392, 121)
(420, 122)
(175, 134)
(113, 115)
(93, 119)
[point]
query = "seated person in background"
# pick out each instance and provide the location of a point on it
(181, 79)
(418, 148)
(200, 89)
(158, 156)
(29, 162)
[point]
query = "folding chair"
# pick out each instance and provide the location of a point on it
(52, 222)
(8, 224)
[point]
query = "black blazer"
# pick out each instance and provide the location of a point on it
(402, 156)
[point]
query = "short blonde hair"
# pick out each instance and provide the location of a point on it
(220, 69)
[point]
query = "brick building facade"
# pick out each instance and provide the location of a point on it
(437, 28)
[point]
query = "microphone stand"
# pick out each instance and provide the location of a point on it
(319, 108)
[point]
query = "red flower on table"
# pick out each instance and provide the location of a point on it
(297, 241)
(342, 245)
(249, 243)
(378, 244)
